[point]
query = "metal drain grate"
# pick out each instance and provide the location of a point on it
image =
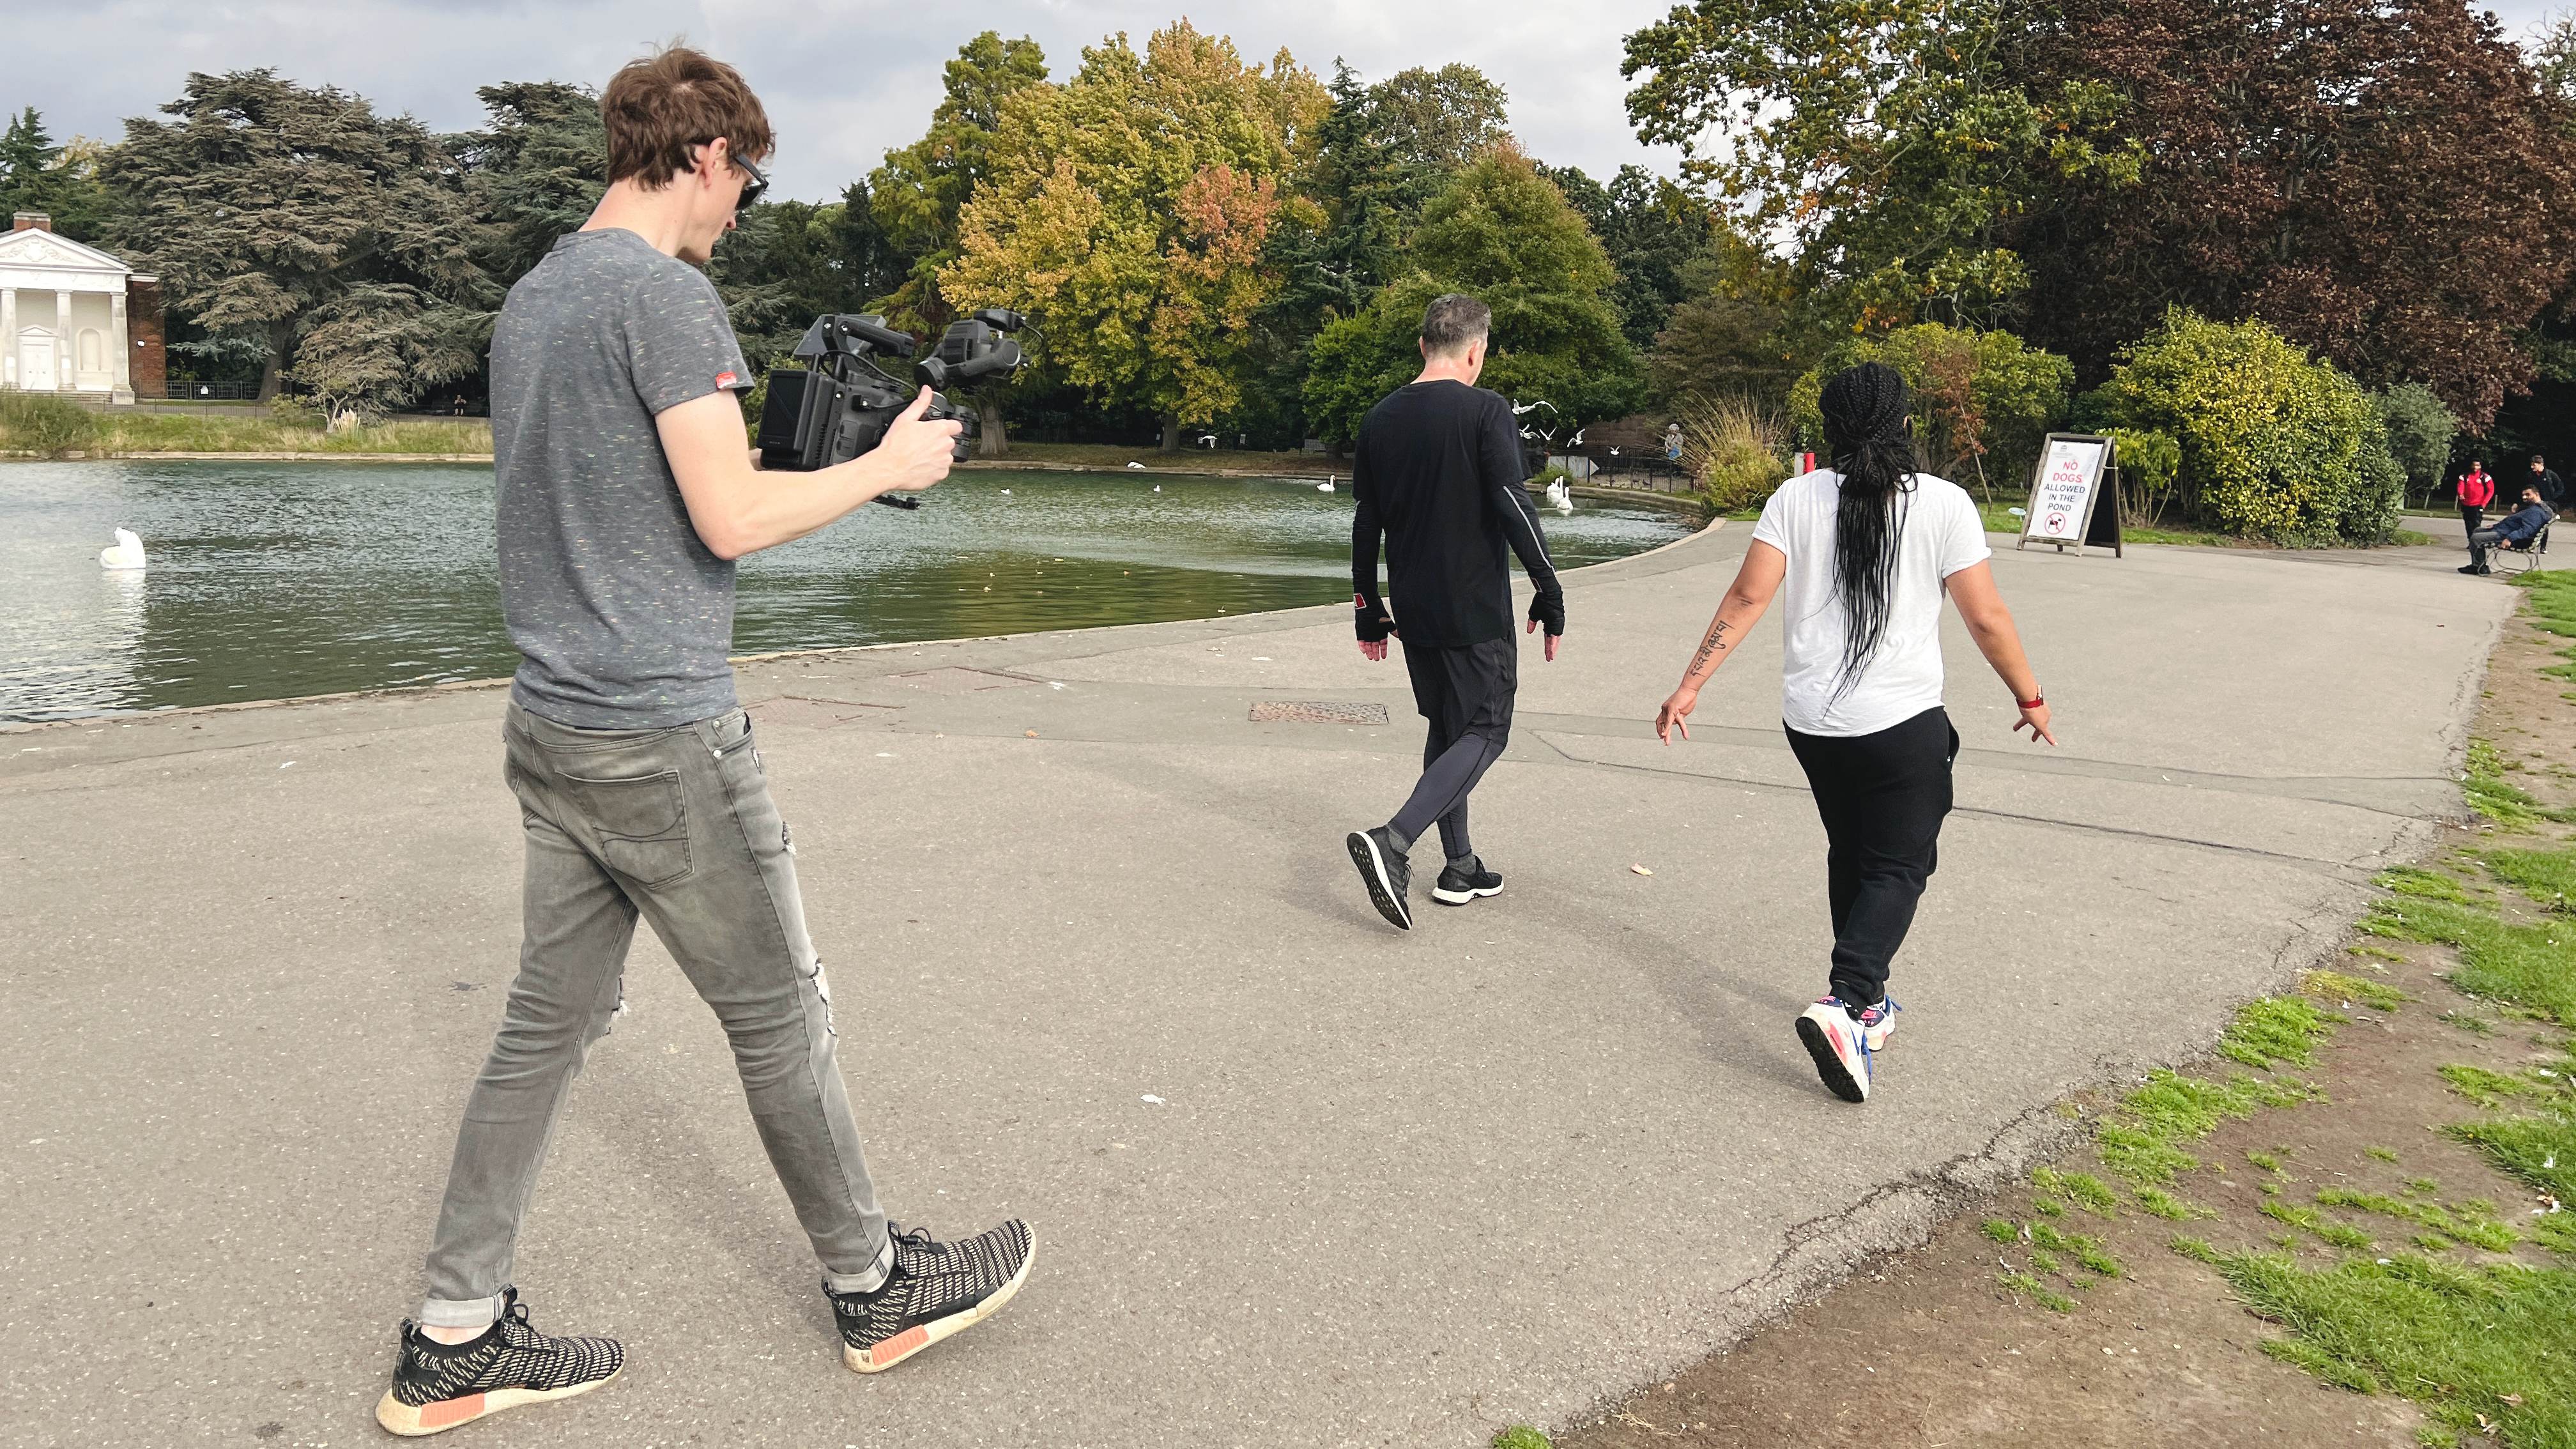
(1281, 711)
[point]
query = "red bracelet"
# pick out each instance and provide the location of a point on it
(2032, 703)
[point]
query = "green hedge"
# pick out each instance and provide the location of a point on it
(2275, 446)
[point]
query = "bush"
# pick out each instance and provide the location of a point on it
(2149, 462)
(2274, 446)
(1982, 400)
(35, 422)
(1732, 445)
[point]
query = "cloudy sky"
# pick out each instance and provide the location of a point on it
(843, 79)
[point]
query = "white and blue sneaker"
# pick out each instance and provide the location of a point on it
(1839, 1042)
(1878, 1023)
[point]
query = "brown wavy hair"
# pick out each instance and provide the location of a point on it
(658, 107)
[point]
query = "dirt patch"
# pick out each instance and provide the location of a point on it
(1929, 1349)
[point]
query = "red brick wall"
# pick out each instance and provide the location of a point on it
(150, 363)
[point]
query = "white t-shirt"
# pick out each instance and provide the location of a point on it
(1938, 534)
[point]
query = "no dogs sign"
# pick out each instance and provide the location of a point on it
(2069, 491)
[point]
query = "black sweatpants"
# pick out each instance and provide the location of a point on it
(1466, 695)
(1882, 797)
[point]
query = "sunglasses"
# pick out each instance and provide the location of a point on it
(751, 189)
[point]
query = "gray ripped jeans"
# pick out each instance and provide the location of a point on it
(675, 825)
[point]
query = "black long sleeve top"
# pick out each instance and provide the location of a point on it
(1437, 473)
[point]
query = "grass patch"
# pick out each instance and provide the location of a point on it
(2493, 1340)
(2384, 1154)
(2532, 965)
(1521, 1436)
(2407, 880)
(2506, 805)
(2037, 1292)
(2337, 986)
(2486, 1088)
(2477, 1225)
(2087, 1191)
(42, 430)
(2545, 875)
(2275, 1029)
(2167, 1206)
(2540, 1150)
(2142, 1139)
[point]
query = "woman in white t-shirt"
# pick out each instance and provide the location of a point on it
(1866, 549)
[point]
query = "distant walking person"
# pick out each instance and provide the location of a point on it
(625, 493)
(1866, 549)
(2476, 490)
(2515, 530)
(2545, 478)
(1437, 473)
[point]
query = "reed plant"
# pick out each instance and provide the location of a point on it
(1732, 445)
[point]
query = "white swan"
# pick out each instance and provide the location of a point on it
(1324, 487)
(1139, 467)
(1561, 496)
(128, 553)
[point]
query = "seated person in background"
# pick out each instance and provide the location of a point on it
(2515, 530)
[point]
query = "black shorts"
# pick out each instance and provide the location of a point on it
(1465, 690)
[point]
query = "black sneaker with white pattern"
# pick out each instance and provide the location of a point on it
(935, 1291)
(438, 1386)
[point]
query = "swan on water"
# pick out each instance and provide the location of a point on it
(1561, 496)
(128, 553)
(1139, 467)
(1324, 487)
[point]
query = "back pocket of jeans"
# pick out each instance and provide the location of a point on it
(642, 825)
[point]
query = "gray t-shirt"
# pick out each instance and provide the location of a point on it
(622, 617)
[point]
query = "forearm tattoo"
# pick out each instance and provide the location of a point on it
(1709, 648)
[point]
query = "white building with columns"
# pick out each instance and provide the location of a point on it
(63, 325)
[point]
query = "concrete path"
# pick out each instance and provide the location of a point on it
(1398, 1190)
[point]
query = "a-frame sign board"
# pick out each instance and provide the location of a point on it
(2074, 495)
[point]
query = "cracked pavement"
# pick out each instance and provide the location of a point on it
(1399, 1189)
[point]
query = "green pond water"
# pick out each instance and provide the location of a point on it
(272, 580)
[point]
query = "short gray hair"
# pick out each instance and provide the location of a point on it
(1452, 321)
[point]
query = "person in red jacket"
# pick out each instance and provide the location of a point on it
(2477, 490)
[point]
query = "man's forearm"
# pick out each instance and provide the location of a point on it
(763, 509)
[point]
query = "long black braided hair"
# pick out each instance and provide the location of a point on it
(1866, 416)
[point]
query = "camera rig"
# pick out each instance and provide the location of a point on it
(837, 406)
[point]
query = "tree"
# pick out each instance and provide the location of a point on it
(788, 262)
(1380, 154)
(921, 191)
(60, 181)
(537, 171)
(1733, 334)
(1976, 394)
(1129, 210)
(1652, 229)
(1502, 233)
(271, 211)
(1883, 140)
(2420, 434)
(2384, 181)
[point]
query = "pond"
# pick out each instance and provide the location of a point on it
(273, 580)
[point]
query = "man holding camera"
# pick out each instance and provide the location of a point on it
(1437, 471)
(625, 493)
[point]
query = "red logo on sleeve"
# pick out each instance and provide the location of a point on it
(725, 379)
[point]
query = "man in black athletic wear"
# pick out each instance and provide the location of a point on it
(1438, 474)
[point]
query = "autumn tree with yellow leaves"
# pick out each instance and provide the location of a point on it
(1128, 209)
